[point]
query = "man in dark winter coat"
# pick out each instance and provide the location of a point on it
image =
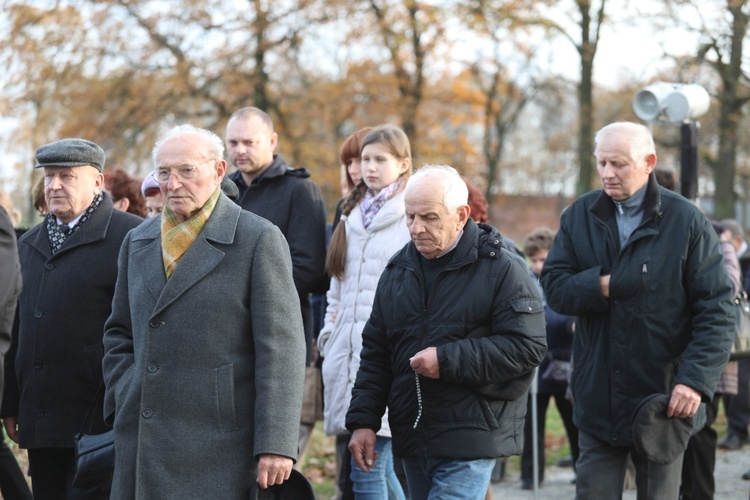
(456, 330)
(69, 267)
(281, 194)
(641, 268)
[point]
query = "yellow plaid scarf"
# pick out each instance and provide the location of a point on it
(177, 237)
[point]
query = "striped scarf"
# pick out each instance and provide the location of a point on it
(177, 237)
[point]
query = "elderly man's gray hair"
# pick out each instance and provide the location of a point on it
(455, 192)
(639, 136)
(213, 141)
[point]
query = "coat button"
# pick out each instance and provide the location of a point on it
(154, 323)
(37, 364)
(152, 368)
(39, 413)
(492, 254)
(49, 267)
(38, 314)
(147, 413)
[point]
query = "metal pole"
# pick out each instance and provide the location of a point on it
(535, 429)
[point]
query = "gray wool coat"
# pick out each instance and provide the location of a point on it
(203, 372)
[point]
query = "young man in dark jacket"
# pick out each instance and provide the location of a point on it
(283, 195)
(641, 268)
(456, 330)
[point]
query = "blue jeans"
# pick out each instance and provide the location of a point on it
(439, 478)
(381, 482)
(600, 472)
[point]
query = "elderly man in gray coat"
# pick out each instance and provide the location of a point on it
(204, 350)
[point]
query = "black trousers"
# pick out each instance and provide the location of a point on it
(738, 407)
(566, 412)
(52, 472)
(699, 459)
(12, 481)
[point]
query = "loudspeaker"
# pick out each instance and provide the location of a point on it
(674, 101)
(648, 102)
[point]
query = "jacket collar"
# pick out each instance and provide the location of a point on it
(604, 207)
(199, 260)
(478, 240)
(93, 230)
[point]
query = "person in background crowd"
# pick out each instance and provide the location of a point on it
(641, 269)
(12, 483)
(737, 406)
(125, 192)
(69, 266)
(372, 228)
(455, 333)
(351, 172)
(37, 197)
(699, 460)
(152, 194)
(204, 350)
(553, 372)
(13, 214)
(666, 176)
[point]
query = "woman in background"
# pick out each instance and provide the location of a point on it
(125, 191)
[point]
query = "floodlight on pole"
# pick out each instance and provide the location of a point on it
(675, 102)
(682, 104)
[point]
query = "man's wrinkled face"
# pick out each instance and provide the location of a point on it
(68, 191)
(621, 175)
(432, 227)
(185, 197)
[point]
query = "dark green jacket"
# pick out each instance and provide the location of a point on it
(670, 316)
(486, 318)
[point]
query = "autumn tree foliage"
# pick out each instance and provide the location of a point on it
(463, 79)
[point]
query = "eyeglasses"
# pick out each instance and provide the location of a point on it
(183, 172)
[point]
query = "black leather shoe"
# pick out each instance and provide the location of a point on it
(746, 475)
(731, 442)
(527, 485)
(566, 461)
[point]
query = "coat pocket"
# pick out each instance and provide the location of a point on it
(225, 398)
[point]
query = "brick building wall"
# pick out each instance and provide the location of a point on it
(517, 216)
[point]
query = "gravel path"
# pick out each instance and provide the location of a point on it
(557, 482)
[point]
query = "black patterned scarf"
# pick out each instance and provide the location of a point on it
(59, 233)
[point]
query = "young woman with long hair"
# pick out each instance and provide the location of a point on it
(372, 228)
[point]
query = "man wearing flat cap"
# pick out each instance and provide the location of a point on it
(69, 268)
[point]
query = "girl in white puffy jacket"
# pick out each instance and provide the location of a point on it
(372, 228)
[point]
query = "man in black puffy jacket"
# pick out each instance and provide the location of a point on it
(641, 268)
(456, 330)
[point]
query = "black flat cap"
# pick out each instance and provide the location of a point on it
(297, 487)
(659, 438)
(70, 153)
